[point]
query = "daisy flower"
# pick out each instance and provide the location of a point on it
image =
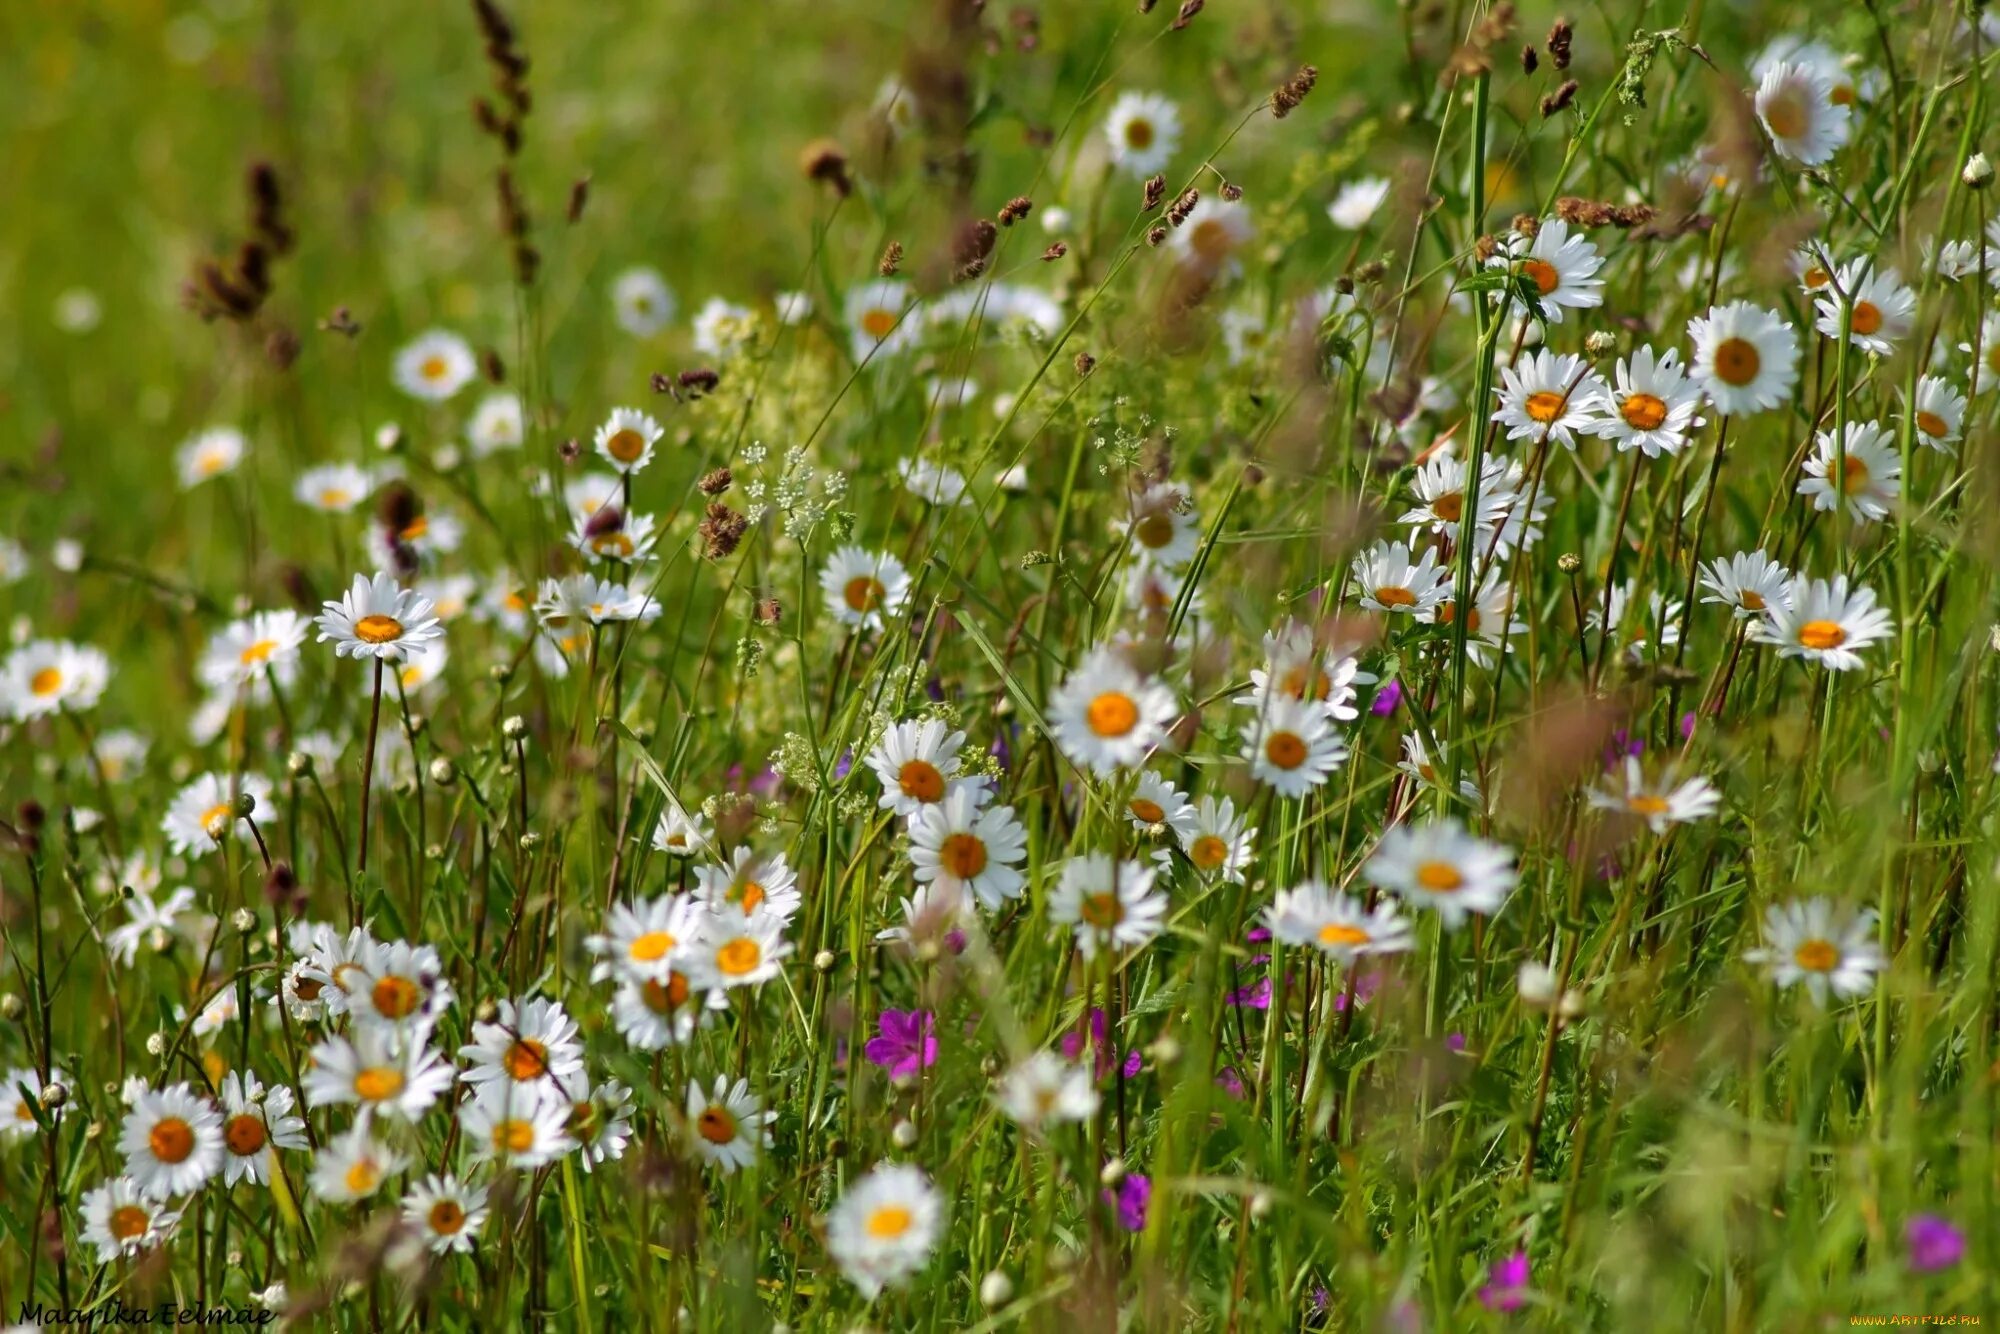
(1652, 408)
(1440, 488)
(516, 1127)
(172, 1141)
(613, 534)
(1106, 716)
(592, 492)
(1745, 358)
(1157, 804)
(379, 1072)
(880, 319)
(1044, 1090)
(353, 1166)
(1442, 866)
(446, 1212)
(737, 951)
(1662, 803)
(1163, 526)
(333, 488)
(1867, 473)
(1749, 583)
(1417, 763)
(917, 762)
(729, 1126)
(20, 1098)
(600, 1123)
(212, 453)
(933, 483)
(1562, 267)
(1244, 334)
(1988, 363)
(434, 366)
(1336, 923)
(1296, 667)
(205, 812)
(793, 308)
(1489, 626)
(1111, 905)
(561, 603)
(45, 675)
(957, 846)
(723, 328)
(1829, 948)
(1549, 396)
(1214, 235)
(241, 652)
(1813, 275)
(526, 1047)
(652, 1015)
(641, 940)
(1662, 616)
(120, 1218)
(1143, 131)
(1938, 412)
(1291, 746)
(497, 423)
(1825, 621)
(1219, 841)
(679, 834)
(751, 882)
(1390, 582)
(397, 984)
(641, 301)
(1879, 306)
(864, 589)
(1795, 103)
(1357, 201)
(897, 106)
(377, 619)
(255, 1121)
(882, 1230)
(626, 439)
(1953, 260)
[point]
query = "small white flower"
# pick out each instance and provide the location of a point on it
(1357, 201)
(642, 302)
(1111, 905)
(1745, 358)
(210, 454)
(728, 1127)
(434, 366)
(377, 619)
(1662, 803)
(1860, 468)
(1143, 131)
(172, 1141)
(1106, 716)
(1442, 866)
(1826, 622)
(1337, 924)
(1831, 950)
(1044, 1090)
(882, 1230)
(864, 589)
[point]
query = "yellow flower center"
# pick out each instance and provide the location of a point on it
(716, 1125)
(513, 1136)
(1752, 600)
(1285, 749)
(964, 855)
(740, 957)
(1817, 956)
(434, 368)
(396, 997)
(1643, 412)
(526, 1059)
(1335, 934)
(1853, 474)
(46, 682)
(171, 1139)
(1645, 803)
(1822, 635)
(612, 544)
(863, 593)
(215, 820)
(665, 998)
(1815, 278)
(258, 653)
(1544, 405)
(1112, 714)
(1395, 595)
(651, 947)
(378, 1083)
(244, 1134)
(1208, 852)
(889, 1221)
(1450, 507)
(920, 779)
(1102, 910)
(334, 496)
(1737, 361)
(878, 323)
(1440, 877)
(363, 1177)
(376, 628)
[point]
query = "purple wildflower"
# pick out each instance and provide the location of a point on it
(1934, 1243)
(1072, 1047)
(1386, 699)
(906, 1042)
(1506, 1284)
(1135, 1192)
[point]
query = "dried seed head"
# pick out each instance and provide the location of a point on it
(570, 450)
(824, 162)
(716, 482)
(579, 196)
(1189, 8)
(1177, 212)
(721, 531)
(1530, 59)
(1054, 252)
(1232, 192)
(1015, 209)
(892, 259)
(1085, 363)
(1559, 99)
(769, 612)
(490, 365)
(1156, 190)
(1560, 35)
(698, 381)
(972, 247)
(1157, 235)
(1286, 97)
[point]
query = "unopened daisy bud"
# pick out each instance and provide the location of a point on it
(1113, 1173)
(243, 920)
(1569, 562)
(388, 437)
(995, 1290)
(823, 961)
(903, 1135)
(1600, 344)
(299, 764)
(156, 1044)
(499, 672)
(513, 727)
(1978, 173)
(991, 1066)
(246, 805)
(1260, 1204)
(1163, 1050)
(530, 841)
(54, 1095)
(12, 1007)
(443, 772)
(1536, 984)
(486, 1011)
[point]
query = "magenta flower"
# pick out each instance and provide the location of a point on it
(906, 1042)
(1934, 1243)
(1135, 1192)
(1386, 699)
(1072, 1047)
(1506, 1284)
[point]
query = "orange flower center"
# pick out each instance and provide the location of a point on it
(1208, 852)
(1853, 474)
(378, 1083)
(1932, 425)
(526, 1059)
(1786, 114)
(716, 1125)
(1155, 530)
(1102, 911)
(1338, 933)
(396, 997)
(1645, 803)
(1543, 273)
(1643, 412)
(513, 1136)
(377, 628)
(1440, 877)
(258, 653)
(1822, 635)
(128, 1221)
(446, 1218)
(920, 779)
(1737, 361)
(863, 593)
(1544, 405)
(244, 1134)
(889, 1221)
(1211, 240)
(433, 368)
(1449, 507)
(878, 323)
(964, 855)
(1866, 318)
(652, 947)
(363, 1177)
(1817, 956)
(740, 957)
(46, 682)
(1148, 812)
(1395, 595)
(1112, 714)
(171, 1139)
(1752, 600)
(1285, 749)
(664, 998)
(1139, 134)
(626, 446)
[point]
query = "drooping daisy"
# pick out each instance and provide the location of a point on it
(1749, 583)
(1810, 269)
(1562, 267)
(378, 1071)
(1443, 866)
(1952, 261)
(1652, 407)
(1291, 746)
(626, 439)
(446, 1212)
(897, 106)
(1106, 716)
(652, 1015)
(642, 940)
(1830, 949)
(243, 651)
(1659, 624)
(734, 950)
(1817, 55)
(722, 328)
(881, 320)
(1162, 529)
(1298, 667)
(751, 882)
(1825, 621)
(1861, 468)
(528, 1046)
(729, 1126)
(1390, 582)
(1143, 131)
(1214, 236)
(1938, 412)
(917, 761)
(864, 589)
(377, 619)
(205, 812)
(45, 675)
(957, 846)
(256, 1121)
(172, 1141)
(1418, 764)
(1549, 396)
(1440, 486)
(1336, 923)
(1661, 803)
(1880, 308)
(1491, 623)
(600, 1123)
(1745, 358)
(618, 535)
(1220, 841)
(333, 488)
(1795, 103)
(933, 483)
(434, 366)
(353, 1166)
(882, 1230)
(121, 1218)
(641, 301)
(212, 453)
(21, 1100)
(1156, 803)
(1357, 201)
(518, 1127)
(1112, 905)
(398, 984)
(333, 961)
(1044, 1090)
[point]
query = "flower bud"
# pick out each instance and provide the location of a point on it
(443, 772)
(299, 764)
(1978, 173)
(904, 1135)
(995, 1290)
(513, 727)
